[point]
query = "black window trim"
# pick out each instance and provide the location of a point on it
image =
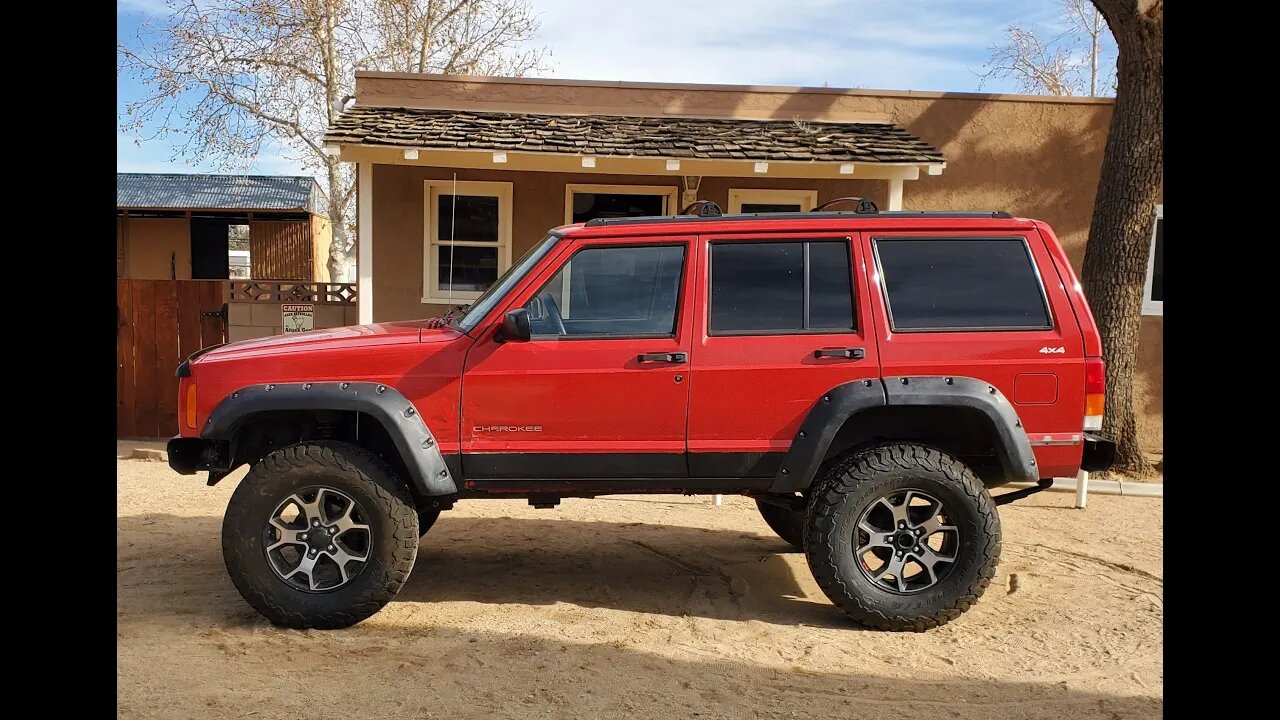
(1035, 268)
(675, 322)
(805, 239)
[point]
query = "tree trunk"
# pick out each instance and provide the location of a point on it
(337, 217)
(1115, 261)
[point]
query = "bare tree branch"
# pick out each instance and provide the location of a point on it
(1068, 63)
(224, 77)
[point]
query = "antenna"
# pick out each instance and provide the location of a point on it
(453, 220)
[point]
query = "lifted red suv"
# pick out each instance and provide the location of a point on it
(866, 377)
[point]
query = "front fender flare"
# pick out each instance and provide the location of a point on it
(428, 472)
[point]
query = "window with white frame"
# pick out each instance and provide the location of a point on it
(768, 200)
(588, 202)
(468, 238)
(1153, 291)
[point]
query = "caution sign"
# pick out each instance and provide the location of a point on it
(298, 318)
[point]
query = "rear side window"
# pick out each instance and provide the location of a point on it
(949, 284)
(781, 287)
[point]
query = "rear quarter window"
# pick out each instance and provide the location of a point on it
(949, 284)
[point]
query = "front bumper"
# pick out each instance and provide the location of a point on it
(187, 455)
(1099, 453)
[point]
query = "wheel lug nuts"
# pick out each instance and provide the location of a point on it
(315, 522)
(303, 536)
(919, 531)
(330, 547)
(919, 550)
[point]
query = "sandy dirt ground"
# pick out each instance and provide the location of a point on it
(637, 607)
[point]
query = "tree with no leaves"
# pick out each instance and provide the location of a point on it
(1115, 259)
(223, 76)
(1069, 63)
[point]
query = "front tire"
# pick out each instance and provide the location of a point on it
(319, 535)
(902, 537)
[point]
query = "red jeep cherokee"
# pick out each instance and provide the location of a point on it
(865, 376)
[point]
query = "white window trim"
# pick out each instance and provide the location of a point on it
(432, 189)
(1149, 306)
(668, 193)
(807, 199)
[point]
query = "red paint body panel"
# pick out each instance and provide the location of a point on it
(736, 394)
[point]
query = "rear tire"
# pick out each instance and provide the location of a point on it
(281, 517)
(893, 504)
(788, 524)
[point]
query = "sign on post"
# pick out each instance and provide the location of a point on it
(297, 318)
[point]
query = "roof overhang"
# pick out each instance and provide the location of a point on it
(628, 165)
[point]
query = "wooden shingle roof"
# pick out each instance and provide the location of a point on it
(728, 139)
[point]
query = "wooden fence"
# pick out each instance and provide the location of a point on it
(158, 324)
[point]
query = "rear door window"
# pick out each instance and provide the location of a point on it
(952, 284)
(794, 286)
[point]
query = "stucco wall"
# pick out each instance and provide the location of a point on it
(248, 320)
(148, 244)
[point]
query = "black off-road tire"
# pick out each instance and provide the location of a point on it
(788, 524)
(426, 518)
(850, 485)
(393, 528)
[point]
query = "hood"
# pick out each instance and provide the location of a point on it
(388, 333)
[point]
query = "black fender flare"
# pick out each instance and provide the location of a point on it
(428, 472)
(829, 413)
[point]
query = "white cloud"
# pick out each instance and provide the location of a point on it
(911, 44)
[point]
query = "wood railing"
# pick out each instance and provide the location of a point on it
(289, 291)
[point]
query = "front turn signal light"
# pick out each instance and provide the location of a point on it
(191, 406)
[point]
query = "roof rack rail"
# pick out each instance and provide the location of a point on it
(702, 208)
(811, 215)
(865, 205)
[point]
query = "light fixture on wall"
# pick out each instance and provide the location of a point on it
(846, 168)
(588, 161)
(332, 150)
(499, 158)
(673, 164)
(411, 154)
(761, 168)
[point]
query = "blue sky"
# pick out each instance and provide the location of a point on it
(901, 45)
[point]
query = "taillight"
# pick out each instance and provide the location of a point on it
(189, 412)
(1095, 392)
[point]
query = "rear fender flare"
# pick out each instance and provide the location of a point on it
(831, 411)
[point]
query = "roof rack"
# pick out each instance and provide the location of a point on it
(811, 215)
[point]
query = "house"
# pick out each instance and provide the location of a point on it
(218, 227)
(458, 175)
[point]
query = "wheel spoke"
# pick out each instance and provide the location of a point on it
(934, 525)
(345, 522)
(341, 557)
(875, 538)
(929, 558)
(311, 510)
(308, 566)
(894, 567)
(900, 511)
(287, 536)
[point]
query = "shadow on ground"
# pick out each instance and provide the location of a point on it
(636, 567)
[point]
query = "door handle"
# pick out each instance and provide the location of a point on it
(850, 353)
(663, 357)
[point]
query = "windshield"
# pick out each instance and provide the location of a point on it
(476, 311)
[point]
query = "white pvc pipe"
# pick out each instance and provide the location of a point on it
(717, 500)
(1082, 489)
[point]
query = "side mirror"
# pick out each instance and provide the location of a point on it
(515, 326)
